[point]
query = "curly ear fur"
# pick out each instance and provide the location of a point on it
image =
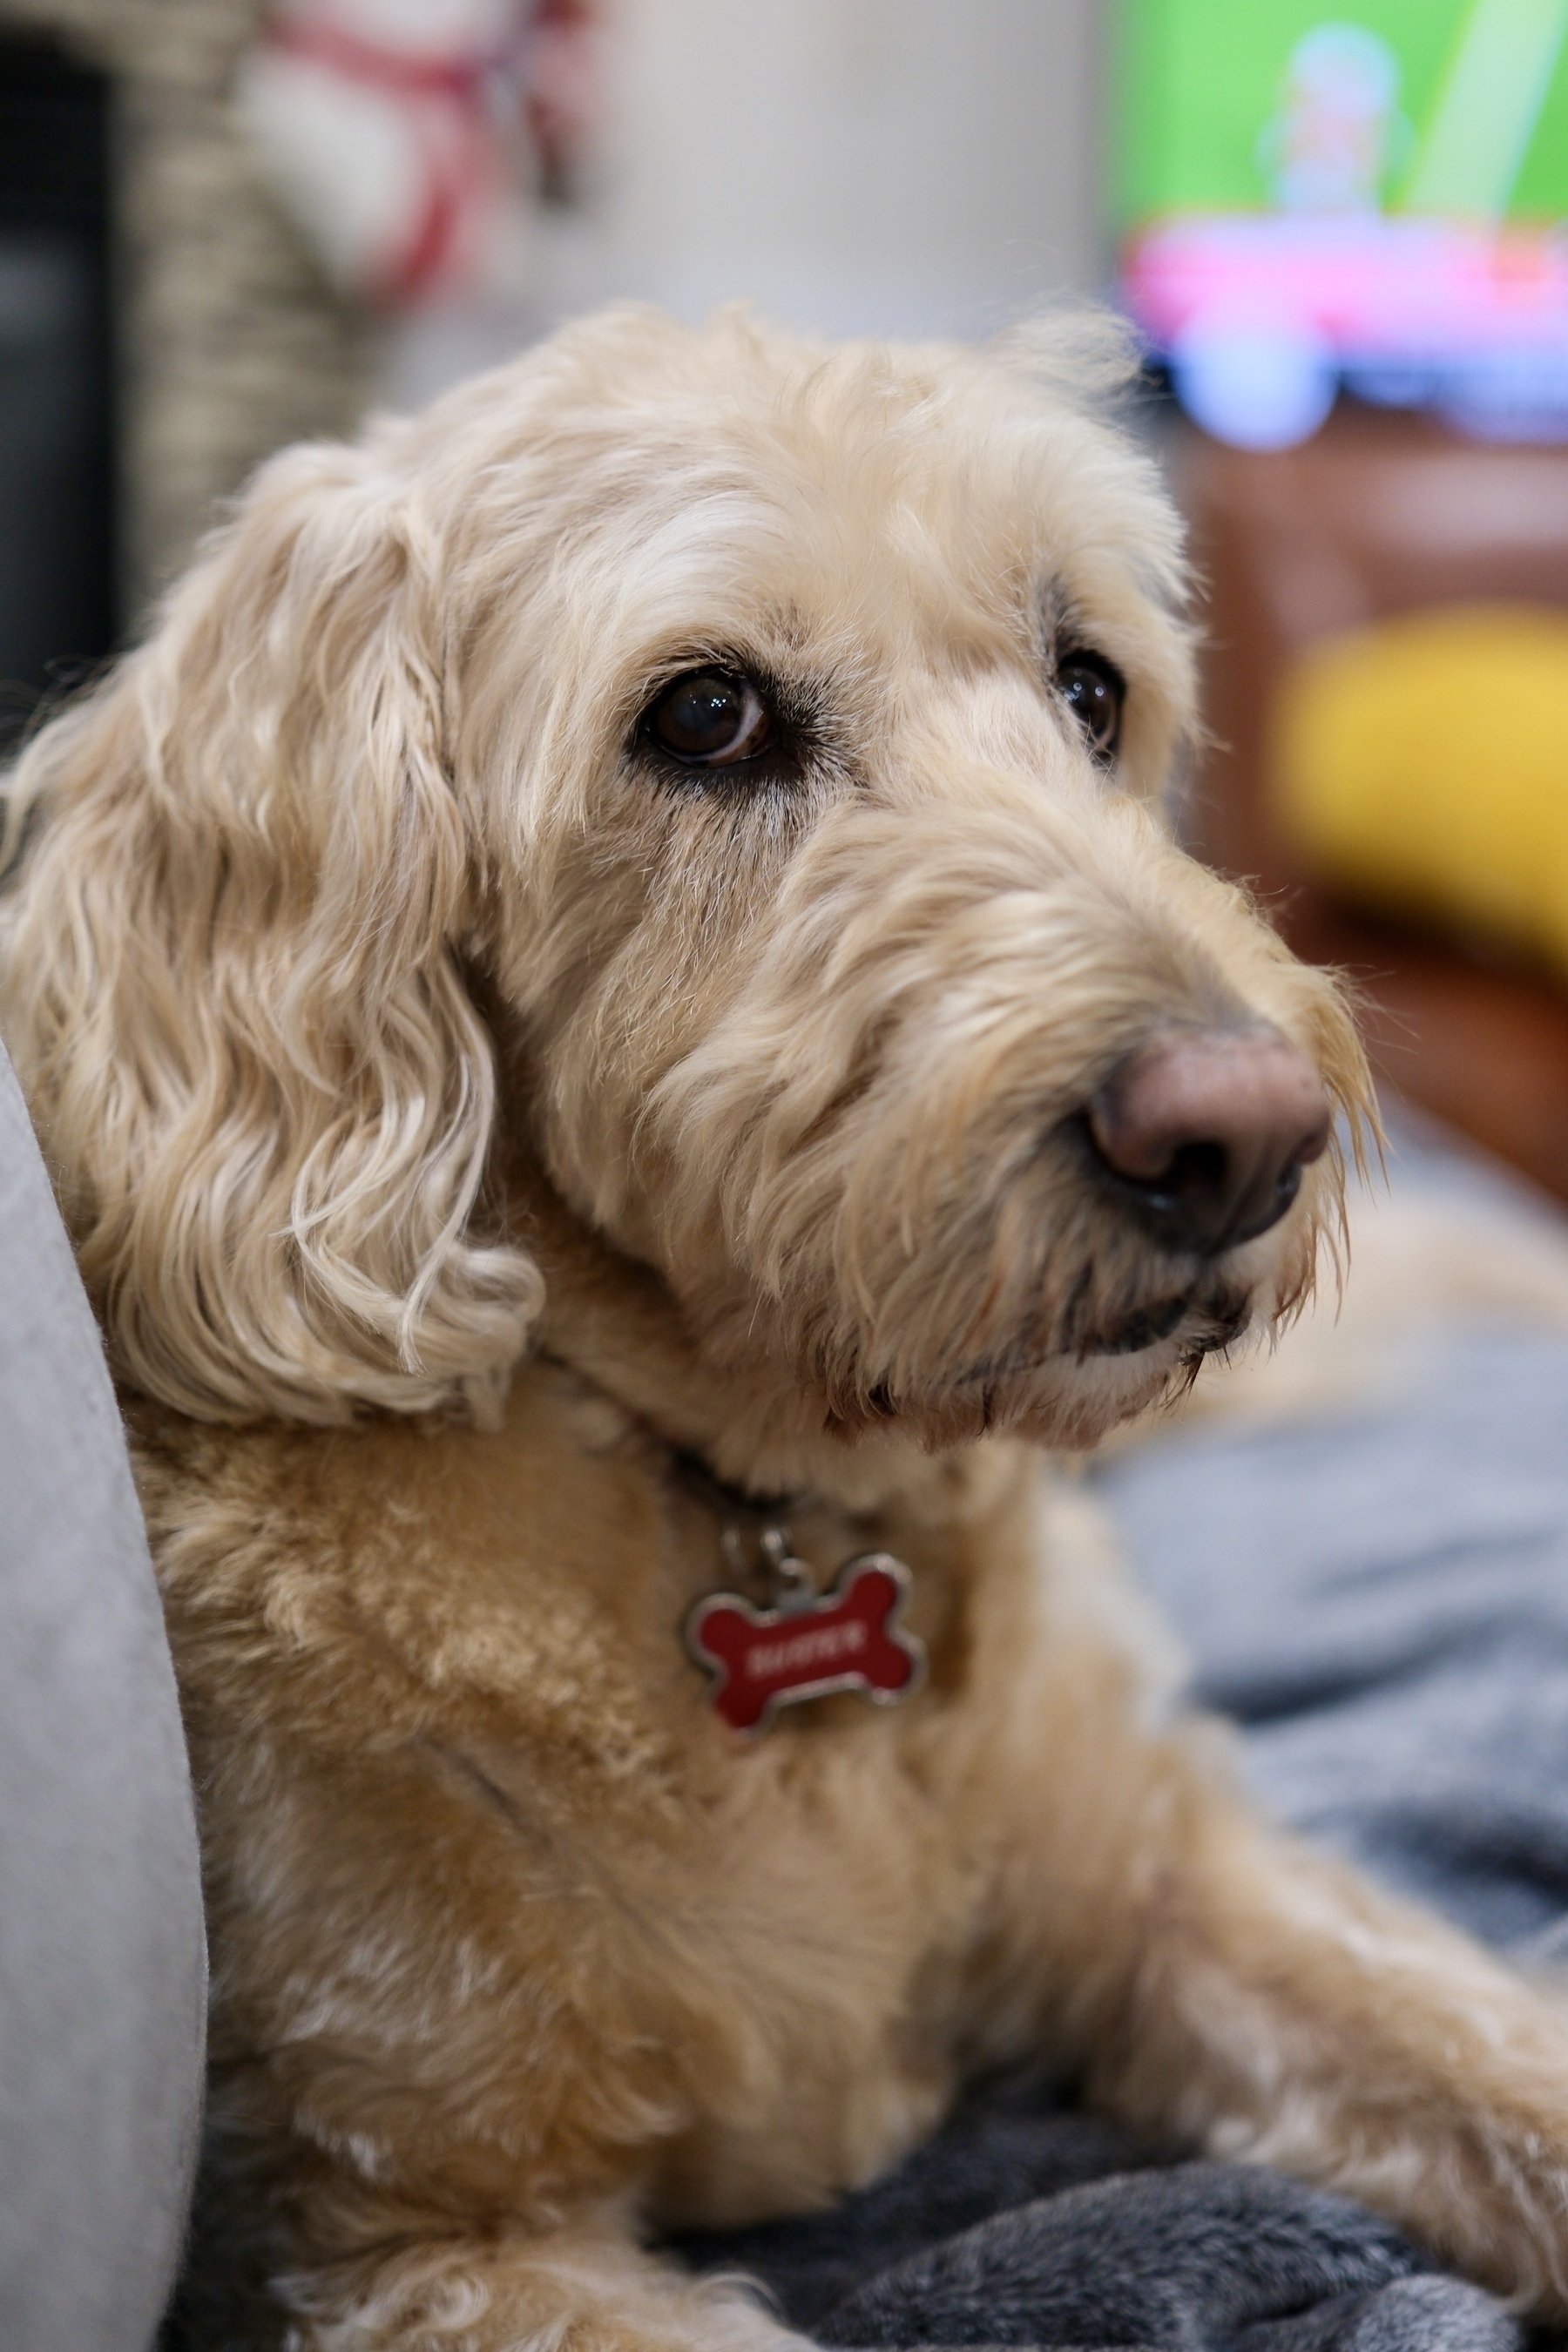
(229, 978)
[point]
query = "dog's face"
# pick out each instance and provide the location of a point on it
(831, 893)
(781, 732)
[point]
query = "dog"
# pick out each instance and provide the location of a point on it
(623, 1036)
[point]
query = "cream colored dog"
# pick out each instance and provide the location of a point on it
(615, 958)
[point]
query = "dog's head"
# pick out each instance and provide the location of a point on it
(779, 731)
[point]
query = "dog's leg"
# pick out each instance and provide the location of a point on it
(1220, 1983)
(592, 2291)
(1285, 2011)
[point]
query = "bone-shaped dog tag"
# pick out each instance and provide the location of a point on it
(845, 1640)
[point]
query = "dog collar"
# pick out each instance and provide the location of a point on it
(804, 1644)
(799, 1642)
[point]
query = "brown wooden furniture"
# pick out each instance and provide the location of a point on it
(1380, 513)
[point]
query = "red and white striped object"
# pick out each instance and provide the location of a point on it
(408, 138)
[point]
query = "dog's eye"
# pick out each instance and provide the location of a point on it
(1094, 691)
(711, 719)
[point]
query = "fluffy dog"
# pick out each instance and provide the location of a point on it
(611, 975)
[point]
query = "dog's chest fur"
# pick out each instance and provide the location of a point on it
(471, 1822)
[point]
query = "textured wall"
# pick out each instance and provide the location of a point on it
(912, 166)
(230, 343)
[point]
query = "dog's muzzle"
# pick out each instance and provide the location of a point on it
(1203, 1135)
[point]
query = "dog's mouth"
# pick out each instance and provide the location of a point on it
(1202, 1320)
(1143, 1329)
(1216, 1322)
(1045, 1381)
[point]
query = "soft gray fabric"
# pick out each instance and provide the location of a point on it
(1204, 2255)
(102, 1969)
(1382, 1603)
(1024, 2225)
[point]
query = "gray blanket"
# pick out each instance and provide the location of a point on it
(1022, 2224)
(1381, 1603)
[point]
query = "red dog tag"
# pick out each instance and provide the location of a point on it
(846, 1640)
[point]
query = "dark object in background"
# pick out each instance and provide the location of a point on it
(57, 491)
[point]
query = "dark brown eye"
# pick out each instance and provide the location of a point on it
(1094, 691)
(711, 719)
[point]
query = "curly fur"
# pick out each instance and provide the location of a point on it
(457, 1110)
(375, 738)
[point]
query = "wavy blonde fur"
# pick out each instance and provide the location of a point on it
(378, 741)
(234, 988)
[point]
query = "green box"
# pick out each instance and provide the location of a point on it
(1475, 127)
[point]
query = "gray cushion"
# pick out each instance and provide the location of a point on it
(1379, 1597)
(102, 1965)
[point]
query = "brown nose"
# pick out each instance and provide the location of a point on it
(1206, 1133)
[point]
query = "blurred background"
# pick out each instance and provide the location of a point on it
(1343, 234)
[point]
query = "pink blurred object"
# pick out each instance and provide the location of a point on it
(410, 139)
(1470, 317)
(1408, 291)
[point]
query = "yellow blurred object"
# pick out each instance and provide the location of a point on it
(1422, 766)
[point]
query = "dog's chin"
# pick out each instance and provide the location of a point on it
(1072, 1399)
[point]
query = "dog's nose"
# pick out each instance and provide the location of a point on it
(1206, 1133)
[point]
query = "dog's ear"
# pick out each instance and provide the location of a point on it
(230, 978)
